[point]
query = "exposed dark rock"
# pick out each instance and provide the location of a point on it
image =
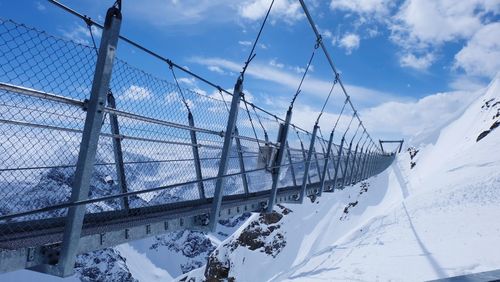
(103, 265)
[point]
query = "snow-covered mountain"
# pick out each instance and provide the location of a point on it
(433, 219)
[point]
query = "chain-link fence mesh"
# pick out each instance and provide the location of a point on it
(146, 133)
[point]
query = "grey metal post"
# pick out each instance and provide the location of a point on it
(351, 173)
(292, 170)
(315, 155)
(325, 165)
(228, 140)
(304, 156)
(367, 163)
(308, 164)
(337, 165)
(325, 157)
(357, 177)
(118, 152)
(90, 138)
(196, 157)
(242, 162)
(282, 136)
(344, 176)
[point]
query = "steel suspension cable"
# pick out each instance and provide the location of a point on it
(316, 46)
(180, 90)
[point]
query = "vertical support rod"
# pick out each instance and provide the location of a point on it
(89, 142)
(228, 140)
(326, 163)
(304, 156)
(344, 176)
(326, 155)
(308, 164)
(241, 160)
(290, 160)
(315, 155)
(351, 173)
(357, 177)
(337, 165)
(196, 157)
(118, 152)
(282, 136)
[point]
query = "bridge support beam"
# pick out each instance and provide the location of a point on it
(196, 157)
(346, 165)
(337, 165)
(290, 160)
(241, 160)
(88, 145)
(276, 170)
(226, 150)
(308, 164)
(118, 152)
(351, 173)
(325, 165)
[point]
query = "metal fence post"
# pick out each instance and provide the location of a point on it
(337, 165)
(325, 165)
(304, 156)
(117, 149)
(292, 170)
(346, 165)
(357, 177)
(368, 164)
(226, 150)
(351, 173)
(282, 136)
(324, 158)
(196, 157)
(244, 178)
(308, 164)
(89, 142)
(315, 155)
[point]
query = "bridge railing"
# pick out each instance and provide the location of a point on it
(160, 143)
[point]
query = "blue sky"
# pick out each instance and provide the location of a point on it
(393, 54)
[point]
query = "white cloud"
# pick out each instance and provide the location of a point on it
(286, 10)
(172, 97)
(350, 42)
(373, 7)
(245, 43)
(312, 86)
(81, 35)
(216, 69)
(40, 6)
(274, 63)
(422, 26)
(408, 119)
(419, 63)
(481, 55)
(186, 12)
(136, 93)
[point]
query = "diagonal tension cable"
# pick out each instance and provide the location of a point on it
(252, 51)
(316, 46)
(184, 101)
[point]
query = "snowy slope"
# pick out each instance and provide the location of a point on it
(436, 220)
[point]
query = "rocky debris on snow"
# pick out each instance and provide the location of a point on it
(490, 105)
(262, 234)
(193, 245)
(363, 189)
(103, 265)
(413, 153)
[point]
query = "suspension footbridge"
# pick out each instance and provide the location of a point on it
(85, 165)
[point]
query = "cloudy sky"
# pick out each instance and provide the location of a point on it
(409, 65)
